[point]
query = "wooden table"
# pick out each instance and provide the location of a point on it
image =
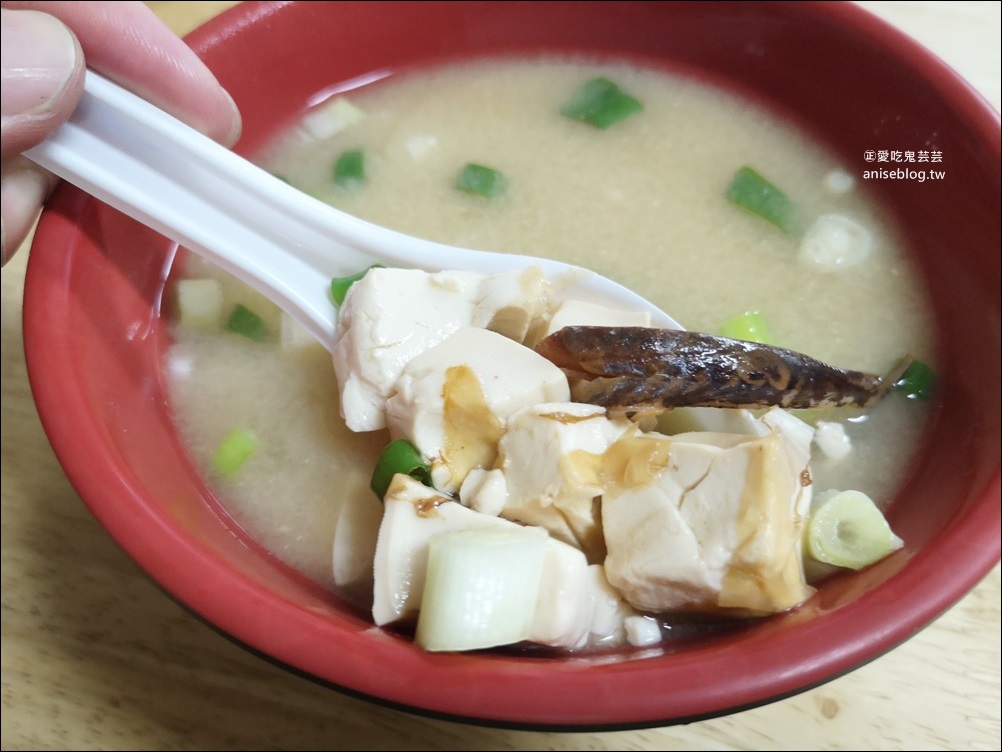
(96, 657)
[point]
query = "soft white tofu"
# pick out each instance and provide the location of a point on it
(355, 539)
(452, 400)
(642, 631)
(510, 302)
(720, 528)
(389, 317)
(584, 313)
(293, 335)
(484, 490)
(712, 419)
(835, 241)
(421, 145)
(833, 441)
(798, 437)
(551, 456)
(564, 607)
(412, 515)
(609, 611)
(199, 303)
(331, 118)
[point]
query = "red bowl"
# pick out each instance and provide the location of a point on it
(94, 341)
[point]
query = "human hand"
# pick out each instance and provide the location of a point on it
(47, 45)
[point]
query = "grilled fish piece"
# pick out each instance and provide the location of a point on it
(646, 368)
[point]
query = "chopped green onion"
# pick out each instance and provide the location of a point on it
(336, 116)
(601, 103)
(293, 335)
(340, 285)
(233, 451)
(199, 303)
(481, 587)
(753, 192)
(749, 326)
(244, 321)
(481, 181)
(400, 456)
(349, 169)
(917, 382)
(848, 530)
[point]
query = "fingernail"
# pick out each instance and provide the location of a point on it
(236, 124)
(39, 55)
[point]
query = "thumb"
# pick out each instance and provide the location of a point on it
(41, 74)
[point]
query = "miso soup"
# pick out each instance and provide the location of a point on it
(643, 201)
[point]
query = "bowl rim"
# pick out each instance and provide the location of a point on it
(871, 625)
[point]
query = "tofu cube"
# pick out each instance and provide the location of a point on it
(453, 400)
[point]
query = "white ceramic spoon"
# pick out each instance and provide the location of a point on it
(283, 243)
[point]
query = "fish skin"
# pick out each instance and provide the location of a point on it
(645, 367)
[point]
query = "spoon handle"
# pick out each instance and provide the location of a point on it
(152, 167)
(285, 244)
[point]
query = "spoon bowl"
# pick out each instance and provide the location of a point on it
(283, 243)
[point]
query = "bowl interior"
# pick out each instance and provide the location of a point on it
(95, 340)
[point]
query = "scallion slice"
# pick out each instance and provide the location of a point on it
(481, 588)
(749, 326)
(479, 180)
(399, 456)
(848, 530)
(917, 382)
(349, 169)
(340, 285)
(244, 321)
(233, 451)
(600, 103)
(199, 303)
(751, 191)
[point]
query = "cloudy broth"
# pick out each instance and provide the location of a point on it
(642, 202)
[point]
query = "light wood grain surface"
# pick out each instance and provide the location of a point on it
(95, 656)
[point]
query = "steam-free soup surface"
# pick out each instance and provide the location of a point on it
(642, 202)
